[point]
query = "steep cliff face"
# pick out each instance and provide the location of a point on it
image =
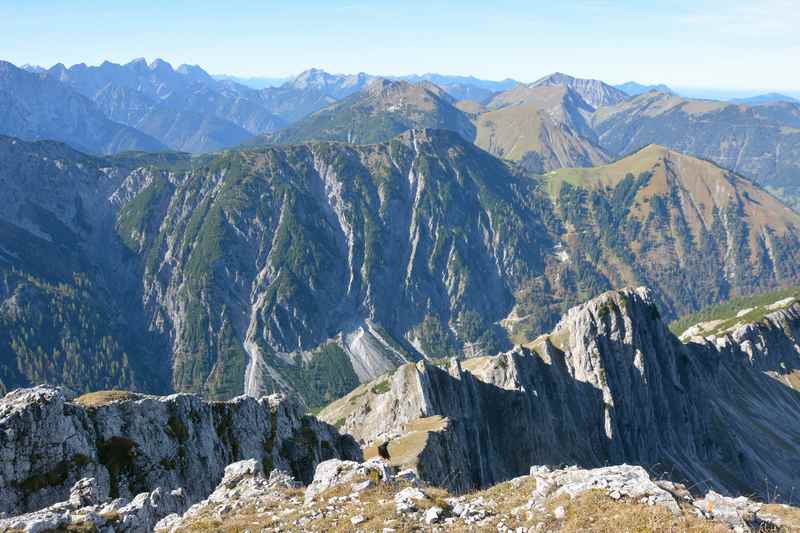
(610, 384)
(300, 235)
(142, 443)
(769, 336)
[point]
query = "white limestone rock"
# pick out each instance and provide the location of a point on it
(48, 444)
(433, 515)
(736, 513)
(622, 481)
(334, 472)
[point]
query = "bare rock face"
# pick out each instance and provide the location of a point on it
(47, 444)
(609, 385)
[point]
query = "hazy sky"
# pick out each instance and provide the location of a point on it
(725, 44)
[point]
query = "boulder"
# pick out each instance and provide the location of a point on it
(87, 491)
(335, 472)
(433, 515)
(736, 513)
(622, 481)
(329, 474)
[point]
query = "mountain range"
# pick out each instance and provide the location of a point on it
(762, 141)
(633, 88)
(265, 267)
(378, 112)
(560, 121)
(37, 107)
(556, 122)
(254, 82)
(185, 108)
(269, 268)
(439, 302)
(767, 98)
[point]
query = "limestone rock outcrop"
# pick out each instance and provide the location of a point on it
(137, 446)
(609, 385)
(100, 514)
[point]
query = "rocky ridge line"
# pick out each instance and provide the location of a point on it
(135, 446)
(609, 385)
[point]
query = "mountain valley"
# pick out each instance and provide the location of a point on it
(266, 269)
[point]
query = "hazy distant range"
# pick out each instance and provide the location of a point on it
(261, 82)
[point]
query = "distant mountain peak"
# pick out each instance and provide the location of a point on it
(57, 68)
(312, 75)
(336, 85)
(633, 88)
(160, 64)
(595, 92)
(196, 73)
(34, 69)
(556, 78)
(380, 84)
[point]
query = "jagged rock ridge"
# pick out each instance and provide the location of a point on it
(610, 384)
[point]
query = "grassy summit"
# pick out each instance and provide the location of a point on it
(743, 309)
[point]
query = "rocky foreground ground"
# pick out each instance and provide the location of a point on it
(371, 496)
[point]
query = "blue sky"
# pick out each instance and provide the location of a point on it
(722, 44)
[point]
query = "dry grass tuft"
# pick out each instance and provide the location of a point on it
(104, 397)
